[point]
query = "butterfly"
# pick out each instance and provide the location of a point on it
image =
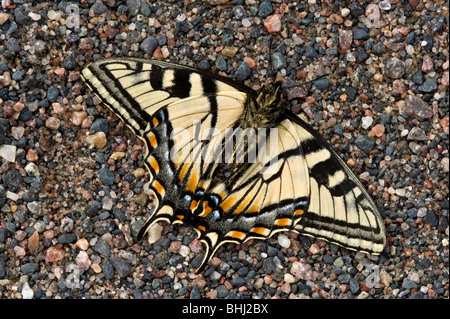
(192, 122)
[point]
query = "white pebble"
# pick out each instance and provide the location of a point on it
(32, 169)
(8, 152)
(409, 49)
(184, 251)
(400, 192)
(246, 22)
(154, 233)
(284, 241)
(422, 211)
(351, 57)
(385, 5)
(366, 122)
(289, 278)
(345, 12)
(27, 292)
(53, 15)
(424, 289)
(107, 203)
(34, 16)
(12, 196)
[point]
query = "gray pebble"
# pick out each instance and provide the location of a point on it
(417, 108)
(149, 44)
(13, 45)
(12, 180)
(361, 54)
(67, 238)
(2, 197)
(222, 291)
(265, 9)
(136, 227)
(269, 265)
(145, 9)
(122, 267)
(395, 68)
(239, 12)
(204, 64)
(221, 63)
(431, 218)
(428, 86)
(99, 125)
(20, 15)
(354, 286)
(102, 247)
(310, 52)
(321, 83)
(99, 8)
(278, 61)
(133, 7)
(17, 76)
(365, 143)
(215, 276)
(29, 268)
(418, 77)
(69, 63)
(160, 259)
(108, 270)
(156, 283)
(195, 293)
(438, 23)
(356, 9)
(106, 176)
(408, 284)
(52, 94)
(182, 27)
(2, 267)
(417, 134)
(242, 72)
(360, 34)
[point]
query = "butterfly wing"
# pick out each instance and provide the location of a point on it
(260, 198)
(172, 109)
(306, 188)
(340, 209)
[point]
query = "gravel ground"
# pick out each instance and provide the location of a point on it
(371, 77)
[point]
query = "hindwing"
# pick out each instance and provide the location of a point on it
(308, 189)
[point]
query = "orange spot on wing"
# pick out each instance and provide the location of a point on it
(201, 228)
(194, 205)
(299, 212)
(236, 234)
(154, 164)
(155, 121)
(263, 231)
(152, 140)
(159, 188)
(206, 209)
(283, 222)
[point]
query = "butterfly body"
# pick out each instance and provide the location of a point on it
(191, 121)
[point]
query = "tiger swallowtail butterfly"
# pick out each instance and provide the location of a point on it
(187, 118)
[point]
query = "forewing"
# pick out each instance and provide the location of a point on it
(175, 110)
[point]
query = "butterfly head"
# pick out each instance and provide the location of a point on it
(267, 107)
